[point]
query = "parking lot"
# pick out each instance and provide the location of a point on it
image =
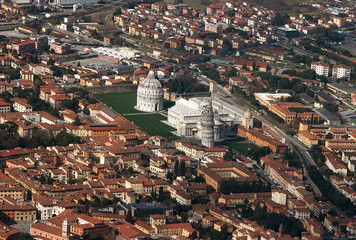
(95, 63)
(13, 34)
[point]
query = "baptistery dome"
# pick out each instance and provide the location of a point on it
(150, 94)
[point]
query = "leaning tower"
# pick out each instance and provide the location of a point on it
(207, 124)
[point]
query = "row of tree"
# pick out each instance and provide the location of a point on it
(231, 185)
(185, 84)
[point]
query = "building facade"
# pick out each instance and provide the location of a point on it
(207, 119)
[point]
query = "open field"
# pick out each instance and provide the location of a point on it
(120, 102)
(124, 103)
(151, 123)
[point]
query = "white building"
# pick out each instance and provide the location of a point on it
(335, 165)
(183, 199)
(340, 71)
(48, 207)
(187, 117)
(21, 105)
(150, 94)
(320, 68)
(301, 213)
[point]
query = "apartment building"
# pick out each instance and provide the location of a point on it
(17, 193)
(341, 71)
(259, 138)
(60, 48)
(5, 107)
(17, 213)
(213, 173)
(320, 68)
(175, 229)
(21, 105)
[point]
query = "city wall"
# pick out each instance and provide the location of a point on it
(112, 89)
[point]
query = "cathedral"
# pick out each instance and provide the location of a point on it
(150, 94)
(208, 119)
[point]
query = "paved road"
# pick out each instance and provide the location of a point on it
(292, 142)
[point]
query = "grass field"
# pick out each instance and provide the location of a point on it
(120, 102)
(124, 103)
(151, 123)
(242, 147)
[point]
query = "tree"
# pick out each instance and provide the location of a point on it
(160, 195)
(194, 235)
(51, 61)
(128, 217)
(346, 136)
(182, 168)
(92, 236)
(70, 28)
(64, 139)
(26, 236)
(176, 168)
(77, 121)
(280, 19)
(169, 175)
(329, 136)
(185, 84)
(86, 111)
(229, 156)
(70, 104)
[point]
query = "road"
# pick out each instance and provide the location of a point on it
(291, 141)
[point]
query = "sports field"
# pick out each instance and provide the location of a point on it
(151, 123)
(120, 102)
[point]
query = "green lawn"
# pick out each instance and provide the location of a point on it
(151, 123)
(242, 147)
(123, 102)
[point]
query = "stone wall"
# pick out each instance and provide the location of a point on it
(173, 96)
(112, 89)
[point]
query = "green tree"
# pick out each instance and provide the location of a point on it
(77, 121)
(51, 61)
(160, 197)
(129, 217)
(194, 235)
(280, 19)
(92, 236)
(229, 156)
(169, 176)
(86, 111)
(176, 167)
(26, 236)
(182, 168)
(64, 139)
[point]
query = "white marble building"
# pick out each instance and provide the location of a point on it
(150, 94)
(187, 117)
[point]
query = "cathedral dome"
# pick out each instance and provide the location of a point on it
(150, 94)
(151, 81)
(248, 114)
